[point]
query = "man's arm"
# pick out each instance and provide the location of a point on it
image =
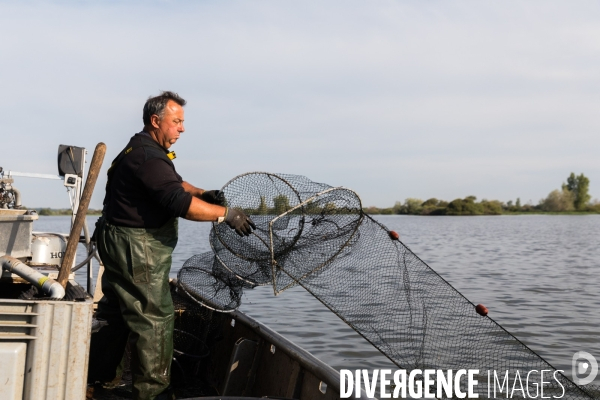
(191, 189)
(202, 211)
(199, 209)
(236, 219)
(209, 196)
(202, 208)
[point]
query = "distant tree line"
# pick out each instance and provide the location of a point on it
(281, 204)
(63, 211)
(572, 197)
(433, 206)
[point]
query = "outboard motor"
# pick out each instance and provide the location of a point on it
(10, 197)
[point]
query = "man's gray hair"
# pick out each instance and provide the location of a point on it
(156, 105)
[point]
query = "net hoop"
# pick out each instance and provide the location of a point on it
(270, 176)
(322, 265)
(224, 265)
(202, 300)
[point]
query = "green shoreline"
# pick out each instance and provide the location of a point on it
(62, 211)
(370, 210)
(505, 213)
(572, 199)
(468, 206)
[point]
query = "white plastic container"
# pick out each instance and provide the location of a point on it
(57, 336)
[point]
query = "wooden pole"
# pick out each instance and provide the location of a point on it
(86, 196)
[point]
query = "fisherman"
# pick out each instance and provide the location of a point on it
(135, 237)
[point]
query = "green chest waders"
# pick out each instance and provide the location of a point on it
(137, 305)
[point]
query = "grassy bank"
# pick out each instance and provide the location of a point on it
(470, 206)
(63, 211)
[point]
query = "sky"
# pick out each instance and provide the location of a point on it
(393, 99)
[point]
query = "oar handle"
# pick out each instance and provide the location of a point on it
(84, 202)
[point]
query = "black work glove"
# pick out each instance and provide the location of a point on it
(213, 197)
(238, 220)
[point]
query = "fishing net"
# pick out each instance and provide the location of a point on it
(204, 279)
(317, 236)
(197, 330)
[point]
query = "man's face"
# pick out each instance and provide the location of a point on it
(168, 129)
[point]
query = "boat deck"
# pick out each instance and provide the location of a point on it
(232, 356)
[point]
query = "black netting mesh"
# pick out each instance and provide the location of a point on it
(317, 236)
(197, 330)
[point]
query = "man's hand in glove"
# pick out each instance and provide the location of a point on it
(236, 219)
(213, 197)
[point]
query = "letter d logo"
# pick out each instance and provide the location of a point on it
(589, 366)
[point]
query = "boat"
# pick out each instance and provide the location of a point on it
(45, 340)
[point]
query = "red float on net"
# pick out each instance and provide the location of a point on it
(481, 310)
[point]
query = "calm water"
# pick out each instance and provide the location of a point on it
(538, 276)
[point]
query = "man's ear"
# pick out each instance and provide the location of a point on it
(154, 120)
